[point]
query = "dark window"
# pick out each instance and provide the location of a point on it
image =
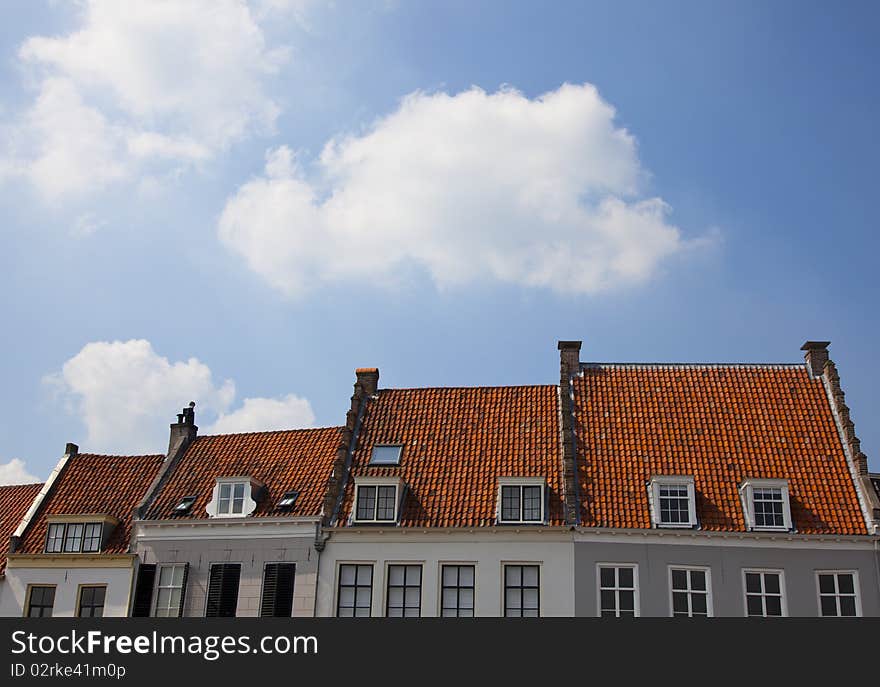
(768, 507)
(376, 503)
(277, 590)
(837, 595)
(764, 594)
(617, 592)
(40, 602)
(521, 591)
(183, 506)
(404, 591)
(521, 503)
(91, 602)
(223, 590)
(510, 509)
(457, 592)
(289, 499)
(366, 509)
(674, 504)
(55, 538)
(73, 537)
(355, 591)
(92, 538)
(385, 504)
(690, 593)
(143, 590)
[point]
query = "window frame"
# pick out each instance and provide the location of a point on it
(856, 592)
(710, 611)
(65, 526)
(377, 483)
(79, 594)
(659, 481)
(338, 587)
(157, 586)
(521, 483)
(29, 599)
(520, 564)
(248, 500)
(441, 586)
(637, 610)
(747, 496)
(783, 593)
(396, 463)
(403, 564)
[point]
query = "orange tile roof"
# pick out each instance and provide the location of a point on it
(457, 443)
(719, 423)
(15, 499)
(95, 484)
(300, 459)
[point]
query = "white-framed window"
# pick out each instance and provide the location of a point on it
(376, 499)
(386, 454)
(521, 500)
(522, 591)
(170, 590)
(457, 591)
(839, 593)
(764, 593)
(766, 504)
(403, 597)
(233, 497)
(618, 590)
(354, 596)
(690, 591)
(55, 537)
(673, 501)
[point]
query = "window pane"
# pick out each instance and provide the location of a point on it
(754, 605)
(625, 577)
(627, 601)
(366, 509)
(828, 605)
(450, 575)
(698, 580)
(365, 574)
(606, 577)
(450, 598)
(238, 490)
(225, 491)
(679, 602)
(510, 509)
(848, 606)
(698, 604)
(385, 504)
(608, 600)
(346, 574)
(845, 584)
(826, 584)
(513, 598)
(771, 583)
(513, 576)
(466, 599)
(530, 576)
(363, 596)
(395, 597)
(412, 597)
(530, 598)
(774, 605)
(395, 574)
(466, 576)
(679, 579)
(346, 596)
(531, 503)
(753, 583)
(414, 574)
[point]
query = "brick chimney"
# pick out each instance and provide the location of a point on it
(815, 356)
(569, 366)
(368, 378)
(184, 430)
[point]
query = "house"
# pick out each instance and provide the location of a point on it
(724, 490)
(229, 526)
(15, 500)
(448, 502)
(70, 554)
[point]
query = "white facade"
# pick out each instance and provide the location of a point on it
(487, 550)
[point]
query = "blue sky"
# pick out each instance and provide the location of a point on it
(241, 203)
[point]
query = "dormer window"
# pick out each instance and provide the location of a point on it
(673, 502)
(376, 499)
(233, 497)
(521, 500)
(766, 504)
(77, 533)
(386, 454)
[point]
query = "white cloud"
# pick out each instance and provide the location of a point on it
(126, 394)
(16, 472)
(542, 192)
(139, 84)
(263, 414)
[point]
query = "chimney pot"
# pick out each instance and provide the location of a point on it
(368, 378)
(71, 449)
(815, 356)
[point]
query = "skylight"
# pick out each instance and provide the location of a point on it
(288, 499)
(185, 504)
(385, 455)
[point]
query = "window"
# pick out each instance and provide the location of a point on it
(521, 591)
(92, 537)
(277, 599)
(376, 500)
(183, 507)
(691, 595)
(838, 594)
(385, 455)
(234, 497)
(171, 590)
(223, 590)
(73, 537)
(766, 504)
(355, 595)
(673, 503)
(521, 500)
(765, 593)
(289, 499)
(91, 601)
(55, 538)
(404, 591)
(618, 597)
(41, 600)
(457, 591)
(231, 499)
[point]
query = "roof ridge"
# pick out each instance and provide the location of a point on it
(114, 455)
(469, 388)
(268, 431)
(693, 365)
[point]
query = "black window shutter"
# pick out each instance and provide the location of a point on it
(278, 590)
(183, 590)
(143, 591)
(223, 590)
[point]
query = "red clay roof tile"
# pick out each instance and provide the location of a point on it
(15, 499)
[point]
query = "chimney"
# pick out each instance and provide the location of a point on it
(569, 357)
(569, 365)
(184, 430)
(71, 450)
(815, 356)
(368, 378)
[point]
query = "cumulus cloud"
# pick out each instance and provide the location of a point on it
(139, 85)
(125, 394)
(541, 192)
(16, 472)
